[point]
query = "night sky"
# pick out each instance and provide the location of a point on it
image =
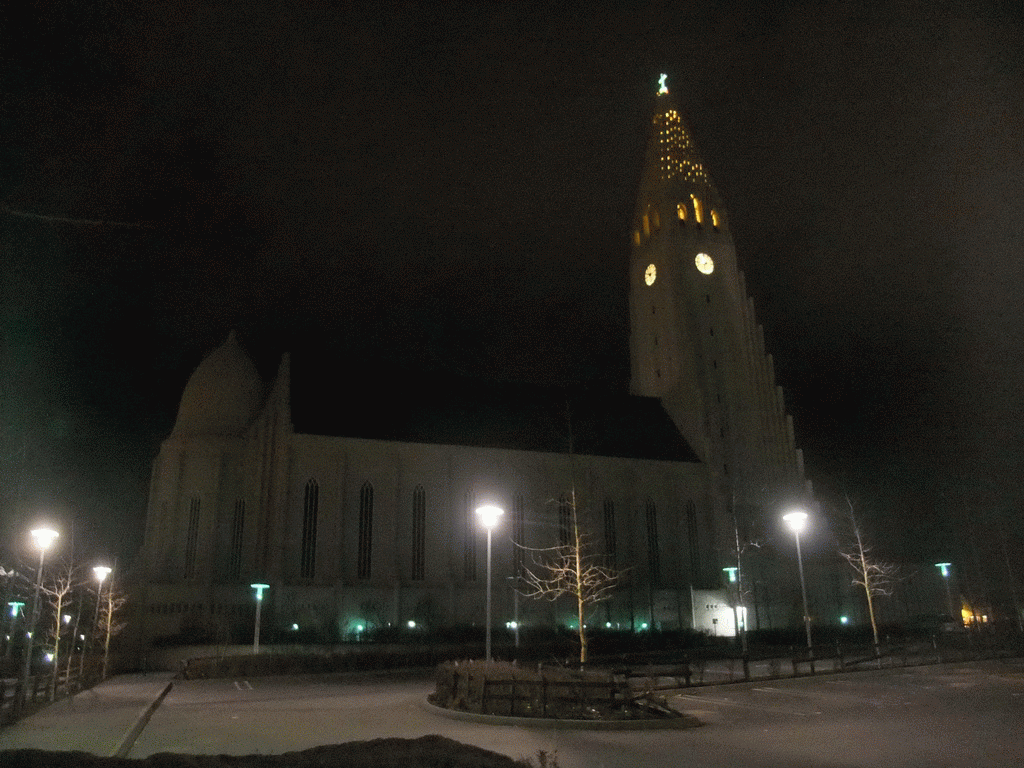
(451, 186)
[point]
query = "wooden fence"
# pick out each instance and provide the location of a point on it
(548, 693)
(38, 687)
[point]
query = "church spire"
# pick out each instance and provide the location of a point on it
(672, 157)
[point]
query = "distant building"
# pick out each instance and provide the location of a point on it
(358, 511)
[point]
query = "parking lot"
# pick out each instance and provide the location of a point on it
(946, 715)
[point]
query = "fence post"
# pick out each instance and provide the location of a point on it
(543, 697)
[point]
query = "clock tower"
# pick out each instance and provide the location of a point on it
(694, 341)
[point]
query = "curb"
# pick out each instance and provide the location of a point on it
(676, 723)
(136, 730)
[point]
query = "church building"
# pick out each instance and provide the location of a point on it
(360, 519)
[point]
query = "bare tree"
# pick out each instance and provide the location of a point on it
(60, 592)
(573, 568)
(875, 576)
(110, 625)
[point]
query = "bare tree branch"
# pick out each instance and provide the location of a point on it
(575, 569)
(876, 577)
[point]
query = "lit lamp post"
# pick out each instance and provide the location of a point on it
(944, 570)
(15, 607)
(43, 538)
(737, 607)
(797, 521)
(100, 572)
(515, 608)
(489, 515)
(259, 605)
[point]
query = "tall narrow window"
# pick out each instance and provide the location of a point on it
(419, 532)
(237, 531)
(714, 218)
(310, 511)
(609, 531)
(518, 534)
(647, 225)
(653, 554)
(365, 554)
(564, 521)
(681, 211)
(698, 209)
(469, 541)
(192, 538)
(694, 536)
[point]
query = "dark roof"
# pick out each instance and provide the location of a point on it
(407, 407)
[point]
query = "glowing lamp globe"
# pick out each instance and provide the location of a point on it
(489, 515)
(796, 521)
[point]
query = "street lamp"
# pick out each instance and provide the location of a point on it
(944, 570)
(43, 538)
(16, 607)
(489, 515)
(514, 626)
(797, 521)
(100, 572)
(739, 611)
(259, 605)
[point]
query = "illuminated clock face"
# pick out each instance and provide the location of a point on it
(650, 275)
(704, 263)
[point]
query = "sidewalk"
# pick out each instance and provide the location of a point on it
(94, 721)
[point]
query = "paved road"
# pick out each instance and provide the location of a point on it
(952, 715)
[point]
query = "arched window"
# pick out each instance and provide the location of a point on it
(698, 209)
(564, 521)
(192, 538)
(518, 534)
(694, 536)
(655, 219)
(365, 554)
(647, 225)
(609, 531)
(469, 541)
(237, 530)
(682, 211)
(310, 511)
(419, 532)
(714, 218)
(653, 553)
